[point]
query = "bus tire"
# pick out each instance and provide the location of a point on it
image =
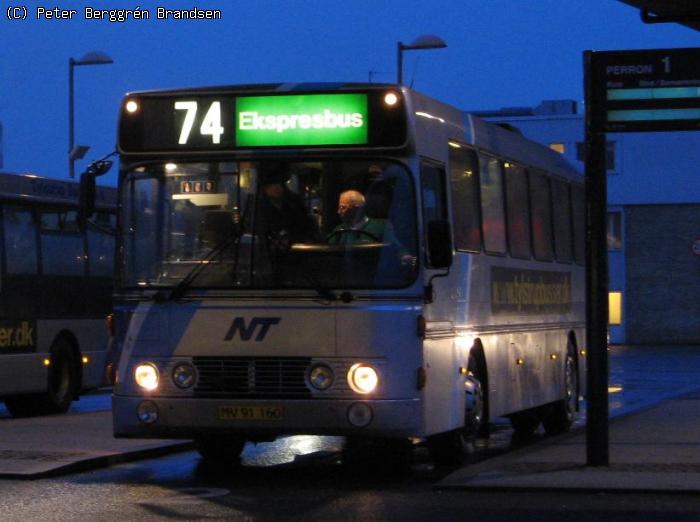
(220, 450)
(458, 447)
(524, 424)
(62, 386)
(478, 419)
(559, 416)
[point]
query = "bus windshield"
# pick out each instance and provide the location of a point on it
(331, 224)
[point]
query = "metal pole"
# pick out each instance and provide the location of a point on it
(71, 129)
(597, 440)
(399, 68)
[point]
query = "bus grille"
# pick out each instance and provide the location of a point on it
(252, 377)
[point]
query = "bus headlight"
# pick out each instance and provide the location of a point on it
(363, 378)
(146, 376)
(184, 376)
(321, 377)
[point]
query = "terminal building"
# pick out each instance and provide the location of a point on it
(653, 224)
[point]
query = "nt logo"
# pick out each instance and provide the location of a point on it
(246, 331)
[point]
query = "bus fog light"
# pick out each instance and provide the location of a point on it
(321, 377)
(146, 376)
(360, 414)
(362, 378)
(184, 376)
(147, 412)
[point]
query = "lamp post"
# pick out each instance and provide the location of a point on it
(91, 58)
(427, 41)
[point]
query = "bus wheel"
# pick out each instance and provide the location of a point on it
(524, 424)
(457, 447)
(220, 450)
(559, 416)
(63, 379)
(63, 384)
(476, 410)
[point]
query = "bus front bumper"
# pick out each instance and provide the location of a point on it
(156, 417)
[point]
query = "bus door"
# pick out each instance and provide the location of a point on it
(444, 396)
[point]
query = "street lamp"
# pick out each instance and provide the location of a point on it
(427, 41)
(91, 58)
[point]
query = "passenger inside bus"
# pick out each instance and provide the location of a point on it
(284, 215)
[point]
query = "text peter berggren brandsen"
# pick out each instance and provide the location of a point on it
(124, 15)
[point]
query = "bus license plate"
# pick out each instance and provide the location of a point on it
(250, 413)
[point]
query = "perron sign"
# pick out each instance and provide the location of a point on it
(644, 90)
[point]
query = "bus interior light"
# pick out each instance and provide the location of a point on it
(111, 330)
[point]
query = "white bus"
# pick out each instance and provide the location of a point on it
(55, 293)
(245, 311)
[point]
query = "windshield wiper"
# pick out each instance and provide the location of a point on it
(325, 293)
(181, 288)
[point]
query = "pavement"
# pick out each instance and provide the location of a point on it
(654, 435)
(655, 450)
(52, 445)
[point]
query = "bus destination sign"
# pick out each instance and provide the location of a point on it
(301, 119)
(644, 90)
(208, 121)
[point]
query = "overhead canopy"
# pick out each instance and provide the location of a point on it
(685, 12)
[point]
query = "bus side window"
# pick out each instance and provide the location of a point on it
(492, 212)
(464, 171)
(518, 211)
(434, 198)
(433, 188)
(541, 204)
(101, 245)
(20, 240)
(62, 246)
(561, 205)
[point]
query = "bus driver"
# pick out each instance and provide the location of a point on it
(358, 228)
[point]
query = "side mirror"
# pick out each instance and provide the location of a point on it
(439, 244)
(88, 189)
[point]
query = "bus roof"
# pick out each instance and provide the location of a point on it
(511, 144)
(264, 88)
(30, 187)
(464, 127)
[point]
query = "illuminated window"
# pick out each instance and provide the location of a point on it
(559, 147)
(614, 230)
(615, 308)
(492, 208)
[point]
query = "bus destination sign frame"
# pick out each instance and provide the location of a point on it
(644, 90)
(228, 122)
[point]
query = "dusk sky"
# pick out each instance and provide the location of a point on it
(501, 53)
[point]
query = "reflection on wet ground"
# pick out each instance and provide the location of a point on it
(639, 377)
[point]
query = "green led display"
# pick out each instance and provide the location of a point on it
(654, 115)
(301, 120)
